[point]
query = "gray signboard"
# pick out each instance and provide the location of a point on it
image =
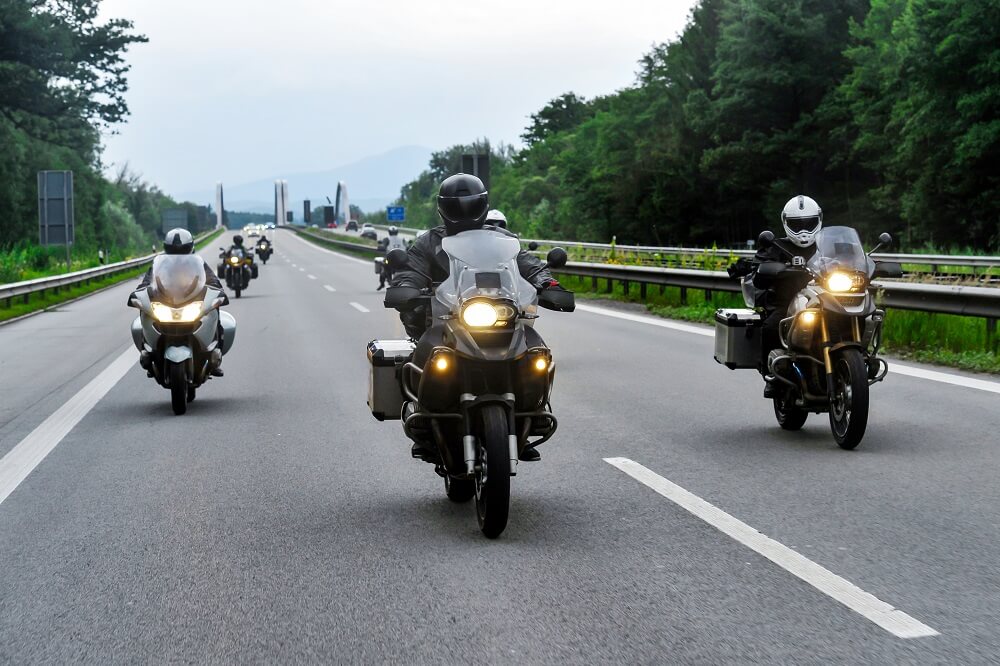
(479, 166)
(55, 208)
(173, 218)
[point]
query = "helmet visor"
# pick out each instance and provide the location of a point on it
(463, 210)
(797, 225)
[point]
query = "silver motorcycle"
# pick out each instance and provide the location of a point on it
(180, 332)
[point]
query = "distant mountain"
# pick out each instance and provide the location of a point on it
(371, 183)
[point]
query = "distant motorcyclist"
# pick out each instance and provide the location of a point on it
(386, 245)
(802, 219)
(497, 219)
(180, 241)
(462, 204)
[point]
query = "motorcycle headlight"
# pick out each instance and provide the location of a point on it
(182, 315)
(234, 260)
(841, 283)
(487, 314)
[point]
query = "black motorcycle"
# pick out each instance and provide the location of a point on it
(264, 250)
(481, 392)
(237, 269)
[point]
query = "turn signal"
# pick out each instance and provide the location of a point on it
(808, 318)
(441, 363)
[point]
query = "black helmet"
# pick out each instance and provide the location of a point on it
(178, 241)
(393, 231)
(238, 240)
(462, 203)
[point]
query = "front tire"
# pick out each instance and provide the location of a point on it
(493, 481)
(238, 292)
(849, 402)
(178, 388)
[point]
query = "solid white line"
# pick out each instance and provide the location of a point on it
(650, 320)
(30, 451)
(944, 377)
(884, 615)
(329, 288)
(323, 249)
(894, 367)
(312, 277)
(359, 307)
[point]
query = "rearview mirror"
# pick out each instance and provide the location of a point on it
(885, 240)
(402, 298)
(397, 259)
(766, 239)
(556, 258)
(532, 246)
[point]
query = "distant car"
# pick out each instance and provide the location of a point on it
(352, 225)
(368, 231)
(270, 225)
(252, 232)
(314, 226)
(331, 225)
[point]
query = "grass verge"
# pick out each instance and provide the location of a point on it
(949, 340)
(51, 298)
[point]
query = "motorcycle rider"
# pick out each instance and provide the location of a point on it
(497, 219)
(802, 219)
(386, 245)
(462, 205)
(180, 241)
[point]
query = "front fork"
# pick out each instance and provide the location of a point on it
(470, 443)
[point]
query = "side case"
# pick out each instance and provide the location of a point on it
(738, 338)
(385, 395)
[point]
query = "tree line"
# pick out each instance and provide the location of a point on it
(63, 78)
(885, 111)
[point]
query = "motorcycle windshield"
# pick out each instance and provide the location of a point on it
(482, 263)
(839, 248)
(177, 279)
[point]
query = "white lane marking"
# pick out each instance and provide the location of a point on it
(295, 265)
(894, 367)
(30, 451)
(895, 621)
(359, 307)
(312, 277)
(944, 377)
(329, 288)
(652, 321)
(336, 254)
(302, 270)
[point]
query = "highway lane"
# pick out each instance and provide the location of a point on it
(277, 520)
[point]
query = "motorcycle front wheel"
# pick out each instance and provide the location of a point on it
(849, 402)
(178, 388)
(493, 480)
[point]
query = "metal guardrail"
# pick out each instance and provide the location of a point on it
(957, 300)
(933, 260)
(968, 301)
(26, 288)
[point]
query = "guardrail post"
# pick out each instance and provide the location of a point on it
(684, 295)
(611, 286)
(593, 283)
(708, 295)
(625, 287)
(642, 290)
(991, 334)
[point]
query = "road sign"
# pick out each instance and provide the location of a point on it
(479, 166)
(55, 208)
(395, 213)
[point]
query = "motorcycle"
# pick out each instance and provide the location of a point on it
(237, 269)
(264, 250)
(830, 338)
(482, 394)
(178, 328)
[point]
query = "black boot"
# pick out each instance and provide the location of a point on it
(422, 450)
(771, 389)
(529, 454)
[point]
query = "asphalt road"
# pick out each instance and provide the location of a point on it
(277, 521)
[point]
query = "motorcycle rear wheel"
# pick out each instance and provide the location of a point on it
(493, 481)
(849, 402)
(459, 490)
(178, 388)
(788, 415)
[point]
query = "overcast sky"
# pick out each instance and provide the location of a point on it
(236, 90)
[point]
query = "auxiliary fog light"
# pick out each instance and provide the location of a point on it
(541, 364)
(441, 362)
(808, 318)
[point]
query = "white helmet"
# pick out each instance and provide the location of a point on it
(496, 218)
(802, 218)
